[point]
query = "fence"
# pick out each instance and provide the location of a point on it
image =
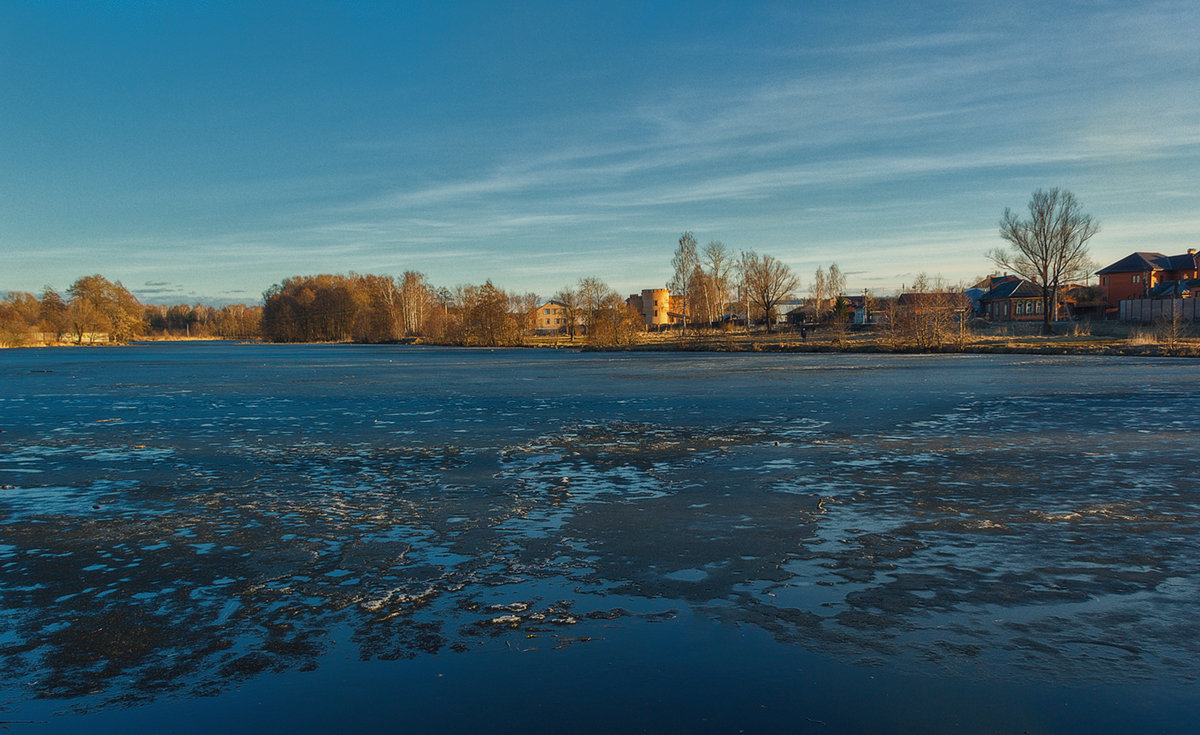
(1147, 311)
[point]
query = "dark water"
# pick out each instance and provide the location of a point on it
(208, 537)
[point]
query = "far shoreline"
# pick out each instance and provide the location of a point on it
(1122, 341)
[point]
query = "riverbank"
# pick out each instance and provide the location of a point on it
(1106, 339)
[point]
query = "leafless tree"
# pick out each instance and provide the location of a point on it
(20, 314)
(616, 322)
(524, 306)
(593, 293)
(835, 281)
(1172, 329)
(1049, 248)
(416, 299)
(717, 266)
(928, 316)
(825, 289)
(818, 292)
(569, 298)
(767, 281)
(686, 262)
(99, 305)
(54, 313)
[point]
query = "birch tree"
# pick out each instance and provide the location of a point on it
(718, 263)
(685, 263)
(818, 292)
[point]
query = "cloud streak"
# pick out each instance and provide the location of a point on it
(876, 137)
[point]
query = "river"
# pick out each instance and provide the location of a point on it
(214, 536)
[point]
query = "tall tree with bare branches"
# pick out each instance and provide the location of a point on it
(818, 291)
(718, 263)
(1049, 248)
(568, 296)
(686, 262)
(767, 281)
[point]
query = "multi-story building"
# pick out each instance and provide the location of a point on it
(551, 316)
(1139, 275)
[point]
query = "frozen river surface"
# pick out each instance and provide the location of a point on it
(207, 537)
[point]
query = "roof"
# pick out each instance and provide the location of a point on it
(1173, 289)
(1013, 289)
(1136, 263)
(909, 297)
(1185, 262)
(990, 282)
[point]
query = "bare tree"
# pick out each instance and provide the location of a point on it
(98, 305)
(20, 314)
(569, 298)
(616, 323)
(743, 270)
(718, 264)
(929, 316)
(1049, 248)
(685, 263)
(593, 293)
(487, 319)
(523, 307)
(54, 312)
(768, 281)
(416, 299)
(835, 282)
(818, 292)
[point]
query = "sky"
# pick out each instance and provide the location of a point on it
(206, 150)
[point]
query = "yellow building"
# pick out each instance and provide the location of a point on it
(551, 317)
(656, 307)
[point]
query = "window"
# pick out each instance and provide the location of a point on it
(1137, 278)
(547, 311)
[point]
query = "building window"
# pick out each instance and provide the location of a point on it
(1137, 278)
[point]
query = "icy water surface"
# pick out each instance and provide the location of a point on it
(252, 537)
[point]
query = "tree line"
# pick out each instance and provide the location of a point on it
(96, 310)
(710, 287)
(375, 308)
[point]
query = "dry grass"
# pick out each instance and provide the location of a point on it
(1142, 338)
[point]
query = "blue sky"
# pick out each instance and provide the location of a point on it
(206, 150)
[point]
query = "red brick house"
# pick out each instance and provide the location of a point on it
(1138, 275)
